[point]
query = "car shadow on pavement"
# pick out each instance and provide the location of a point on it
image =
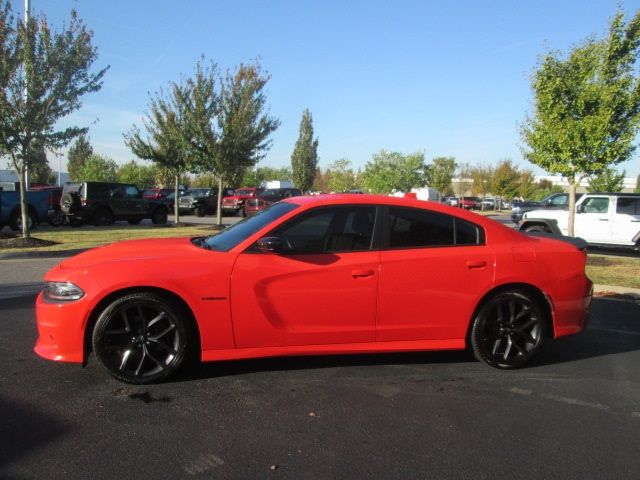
(25, 429)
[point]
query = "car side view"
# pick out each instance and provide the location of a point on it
(323, 275)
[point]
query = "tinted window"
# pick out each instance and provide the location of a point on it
(628, 205)
(409, 228)
(230, 237)
(596, 205)
(335, 229)
(131, 191)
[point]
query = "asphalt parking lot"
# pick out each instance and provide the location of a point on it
(574, 414)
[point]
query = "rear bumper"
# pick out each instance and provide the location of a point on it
(571, 308)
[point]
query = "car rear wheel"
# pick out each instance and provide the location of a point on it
(56, 218)
(537, 229)
(15, 221)
(159, 216)
(507, 330)
(102, 217)
(141, 338)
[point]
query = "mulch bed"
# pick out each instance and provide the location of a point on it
(10, 240)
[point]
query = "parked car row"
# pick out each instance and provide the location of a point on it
(474, 203)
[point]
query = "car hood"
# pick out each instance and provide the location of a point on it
(132, 250)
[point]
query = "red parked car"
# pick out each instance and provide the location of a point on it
(316, 275)
(156, 193)
(234, 204)
(268, 197)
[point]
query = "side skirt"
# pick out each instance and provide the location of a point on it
(334, 349)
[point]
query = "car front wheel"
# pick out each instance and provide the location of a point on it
(507, 330)
(141, 338)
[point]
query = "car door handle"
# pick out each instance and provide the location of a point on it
(361, 273)
(635, 221)
(603, 219)
(476, 264)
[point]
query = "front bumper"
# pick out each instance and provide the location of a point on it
(61, 329)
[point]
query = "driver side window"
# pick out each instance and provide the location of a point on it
(334, 229)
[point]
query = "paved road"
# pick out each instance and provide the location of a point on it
(575, 414)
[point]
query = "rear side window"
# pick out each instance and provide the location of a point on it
(628, 205)
(411, 228)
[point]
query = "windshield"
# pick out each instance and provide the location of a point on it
(232, 236)
(198, 192)
(244, 192)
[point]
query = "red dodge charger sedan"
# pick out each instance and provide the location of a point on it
(316, 275)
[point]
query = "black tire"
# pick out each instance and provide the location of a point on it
(56, 218)
(15, 221)
(201, 210)
(159, 216)
(102, 217)
(134, 221)
(537, 229)
(507, 330)
(142, 338)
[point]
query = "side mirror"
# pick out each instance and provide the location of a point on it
(580, 209)
(272, 245)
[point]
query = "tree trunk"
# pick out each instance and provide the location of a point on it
(572, 207)
(219, 203)
(176, 206)
(24, 209)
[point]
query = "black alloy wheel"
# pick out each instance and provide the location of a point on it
(141, 338)
(508, 330)
(102, 217)
(159, 216)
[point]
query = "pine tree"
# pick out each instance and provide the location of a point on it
(78, 154)
(304, 159)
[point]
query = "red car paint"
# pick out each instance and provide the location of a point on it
(235, 203)
(253, 304)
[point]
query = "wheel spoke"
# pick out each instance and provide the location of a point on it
(508, 349)
(116, 347)
(512, 312)
(141, 362)
(163, 346)
(163, 333)
(156, 319)
(530, 323)
(116, 331)
(523, 312)
(141, 316)
(496, 344)
(125, 357)
(515, 344)
(154, 359)
(125, 317)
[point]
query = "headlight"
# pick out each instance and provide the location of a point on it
(62, 291)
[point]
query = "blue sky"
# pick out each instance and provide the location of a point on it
(447, 78)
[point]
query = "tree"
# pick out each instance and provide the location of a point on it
(228, 131)
(526, 184)
(43, 76)
(144, 176)
(98, 168)
(440, 173)
(481, 177)
(464, 181)
(39, 169)
(164, 144)
(637, 189)
(505, 180)
(341, 177)
(304, 159)
(587, 107)
(253, 177)
(544, 188)
(77, 155)
(607, 181)
(389, 171)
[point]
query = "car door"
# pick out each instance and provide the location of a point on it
(136, 205)
(322, 290)
(592, 220)
(118, 201)
(625, 222)
(434, 270)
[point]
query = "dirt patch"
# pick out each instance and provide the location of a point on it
(617, 296)
(9, 240)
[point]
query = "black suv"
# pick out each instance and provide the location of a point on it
(101, 203)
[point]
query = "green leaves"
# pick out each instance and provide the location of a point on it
(304, 159)
(388, 171)
(98, 168)
(440, 173)
(607, 181)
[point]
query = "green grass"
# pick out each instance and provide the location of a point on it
(87, 236)
(619, 271)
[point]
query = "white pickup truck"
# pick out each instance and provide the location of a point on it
(611, 219)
